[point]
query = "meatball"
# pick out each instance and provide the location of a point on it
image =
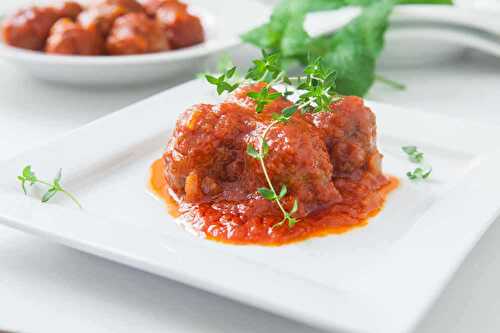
(184, 29)
(136, 33)
(207, 160)
(129, 5)
(29, 28)
(69, 9)
(152, 6)
(349, 132)
(67, 37)
(101, 15)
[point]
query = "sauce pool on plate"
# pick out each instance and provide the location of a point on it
(206, 220)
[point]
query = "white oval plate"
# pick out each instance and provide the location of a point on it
(224, 21)
(380, 278)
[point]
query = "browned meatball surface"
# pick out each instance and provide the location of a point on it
(130, 5)
(67, 37)
(101, 15)
(350, 135)
(29, 28)
(69, 9)
(136, 33)
(184, 29)
(152, 6)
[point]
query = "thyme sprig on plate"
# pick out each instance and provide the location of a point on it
(28, 177)
(419, 173)
(315, 90)
(414, 155)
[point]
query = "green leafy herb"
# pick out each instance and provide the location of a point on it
(285, 114)
(352, 51)
(419, 173)
(266, 69)
(413, 154)
(222, 82)
(263, 97)
(318, 88)
(28, 177)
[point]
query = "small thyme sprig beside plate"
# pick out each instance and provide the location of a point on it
(28, 177)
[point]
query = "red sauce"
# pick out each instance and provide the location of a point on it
(218, 221)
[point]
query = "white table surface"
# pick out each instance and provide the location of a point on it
(46, 287)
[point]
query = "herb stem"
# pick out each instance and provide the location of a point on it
(394, 84)
(264, 169)
(73, 198)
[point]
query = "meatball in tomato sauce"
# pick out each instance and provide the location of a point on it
(29, 28)
(69, 9)
(136, 34)
(206, 159)
(67, 37)
(152, 6)
(224, 183)
(349, 132)
(183, 28)
(101, 15)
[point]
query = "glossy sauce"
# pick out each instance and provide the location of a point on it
(219, 222)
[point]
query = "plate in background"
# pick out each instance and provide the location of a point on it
(423, 34)
(380, 278)
(224, 22)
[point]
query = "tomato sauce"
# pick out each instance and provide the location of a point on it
(221, 222)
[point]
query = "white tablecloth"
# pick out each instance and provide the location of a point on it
(46, 287)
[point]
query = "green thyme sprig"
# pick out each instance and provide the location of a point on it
(267, 69)
(419, 173)
(414, 155)
(222, 82)
(315, 90)
(269, 193)
(263, 98)
(318, 86)
(28, 177)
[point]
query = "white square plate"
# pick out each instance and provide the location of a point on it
(380, 278)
